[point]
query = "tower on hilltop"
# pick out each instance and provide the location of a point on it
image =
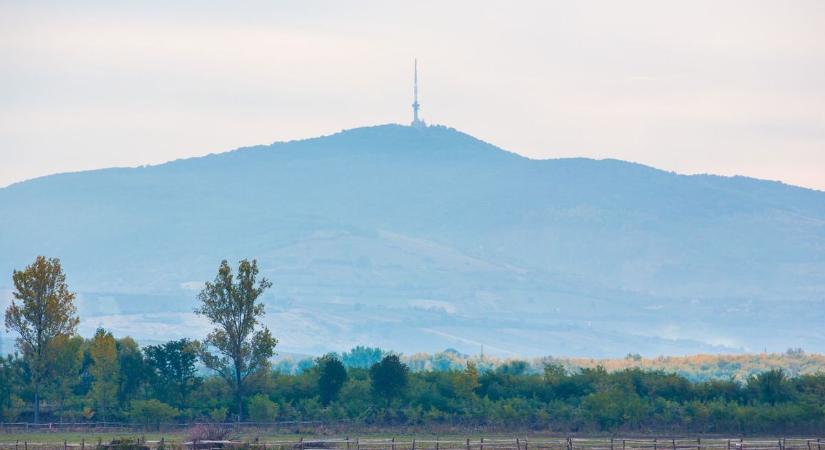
(417, 122)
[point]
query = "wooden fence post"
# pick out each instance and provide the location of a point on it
(674, 444)
(623, 444)
(481, 445)
(65, 445)
(525, 443)
(83, 444)
(518, 444)
(347, 442)
(413, 445)
(393, 443)
(468, 443)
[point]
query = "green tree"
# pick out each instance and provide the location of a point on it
(46, 311)
(11, 378)
(106, 371)
(262, 409)
(243, 345)
(68, 360)
(362, 357)
(152, 411)
(331, 377)
(770, 387)
(173, 363)
(389, 377)
(133, 370)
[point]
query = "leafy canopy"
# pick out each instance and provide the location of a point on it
(243, 345)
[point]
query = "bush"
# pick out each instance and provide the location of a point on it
(125, 444)
(218, 414)
(208, 432)
(152, 411)
(262, 409)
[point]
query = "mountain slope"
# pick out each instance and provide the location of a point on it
(423, 239)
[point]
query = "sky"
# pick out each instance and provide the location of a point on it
(723, 87)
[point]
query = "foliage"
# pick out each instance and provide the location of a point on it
(262, 409)
(331, 377)
(106, 372)
(152, 411)
(173, 366)
(104, 378)
(46, 311)
(362, 357)
(67, 354)
(389, 377)
(244, 347)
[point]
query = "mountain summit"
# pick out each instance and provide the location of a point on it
(424, 238)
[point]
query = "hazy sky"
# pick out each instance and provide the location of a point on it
(726, 87)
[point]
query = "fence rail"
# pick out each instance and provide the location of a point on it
(526, 443)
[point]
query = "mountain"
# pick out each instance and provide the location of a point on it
(422, 239)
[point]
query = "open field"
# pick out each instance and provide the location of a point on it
(155, 441)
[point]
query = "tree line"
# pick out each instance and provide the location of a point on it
(56, 375)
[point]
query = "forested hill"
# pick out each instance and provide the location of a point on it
(423, 239)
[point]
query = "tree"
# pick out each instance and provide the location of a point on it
(262, 409)
(331, 377)
(362, 357)
(133, 369)
(173, 363)
(389, 377)
(68, 360)
(152, 411)
(770, 387)
(244, 346)
(11, 378)
(105, 370)
(46, 311)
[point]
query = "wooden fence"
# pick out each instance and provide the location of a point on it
(531, 443)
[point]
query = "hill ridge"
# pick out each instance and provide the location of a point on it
(387, 225)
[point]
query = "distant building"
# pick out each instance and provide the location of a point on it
(417, 122)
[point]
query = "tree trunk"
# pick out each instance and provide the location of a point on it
(239, 399)
(37, 403)
(240, 405)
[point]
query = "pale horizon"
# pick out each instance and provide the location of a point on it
(726, 89)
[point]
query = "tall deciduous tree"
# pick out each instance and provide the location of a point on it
(243, 345)
(105, 370)
(133, 370)
(173, 364)
(331, 377)
(46, 311)
(68, 360)
(389, 377)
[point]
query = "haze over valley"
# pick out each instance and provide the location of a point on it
(421, 239)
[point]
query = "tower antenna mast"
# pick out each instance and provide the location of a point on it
(417, 122)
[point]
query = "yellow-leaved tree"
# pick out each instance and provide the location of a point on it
(105, 370)
(41, 311)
